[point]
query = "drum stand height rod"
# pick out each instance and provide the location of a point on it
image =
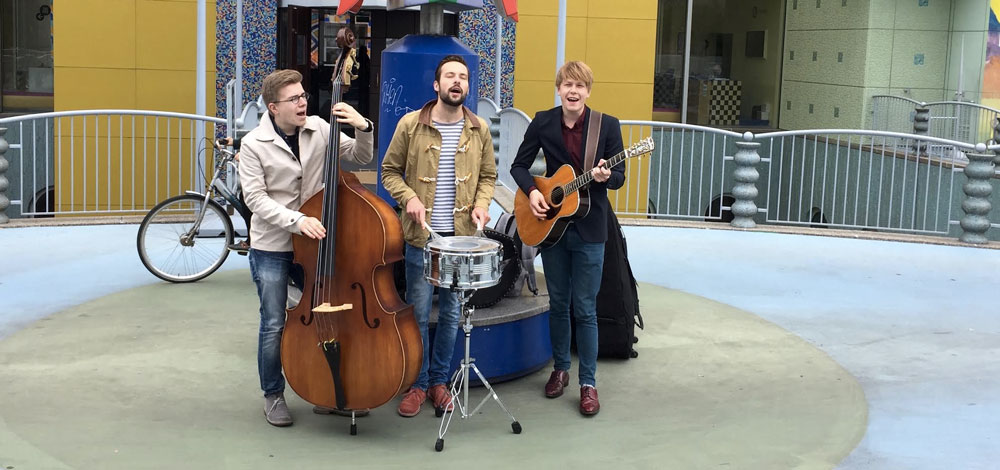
(460, 380)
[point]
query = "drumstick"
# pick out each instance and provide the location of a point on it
(434, 235)
(479, 229)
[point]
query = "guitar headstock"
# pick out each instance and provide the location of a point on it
(641, 147)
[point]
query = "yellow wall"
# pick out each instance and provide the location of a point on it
(125, 54)
(616, 39)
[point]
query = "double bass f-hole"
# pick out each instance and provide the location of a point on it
(364, 307)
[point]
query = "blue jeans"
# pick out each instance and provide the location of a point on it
(436, 367)
(573, 270)
(270, 271)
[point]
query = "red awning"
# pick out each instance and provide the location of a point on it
(349, 5)
(507, 8)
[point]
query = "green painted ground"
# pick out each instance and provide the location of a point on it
(164, 376)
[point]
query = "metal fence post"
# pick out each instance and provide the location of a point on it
(996, 140)
(4, 201)
(746, 176)
(921, 125)
(977, 189)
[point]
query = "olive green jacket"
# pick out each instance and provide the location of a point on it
(410, 168)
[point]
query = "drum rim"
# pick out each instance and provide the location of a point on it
(486, 246)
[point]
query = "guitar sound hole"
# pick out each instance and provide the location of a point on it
(557, 196)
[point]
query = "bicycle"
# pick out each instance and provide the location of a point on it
(186, 238)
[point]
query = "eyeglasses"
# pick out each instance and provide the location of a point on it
(295, 99)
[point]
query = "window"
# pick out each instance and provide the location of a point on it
(25, 55)
(734, 63)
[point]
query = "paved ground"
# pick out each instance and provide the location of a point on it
(917, 325)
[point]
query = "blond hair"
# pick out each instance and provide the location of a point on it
(575, 70)
(277, 80)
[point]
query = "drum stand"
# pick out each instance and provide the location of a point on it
(460, 380)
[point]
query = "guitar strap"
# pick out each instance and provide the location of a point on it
(593, 132)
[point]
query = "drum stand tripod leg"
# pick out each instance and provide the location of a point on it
(460, 383)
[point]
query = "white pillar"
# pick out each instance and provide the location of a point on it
(561, 43)
(201, 71)
(498, 78)
(687, 63)
(238, 89)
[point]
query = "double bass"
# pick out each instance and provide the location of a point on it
(351, 343)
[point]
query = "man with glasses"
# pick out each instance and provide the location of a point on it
(281, 167)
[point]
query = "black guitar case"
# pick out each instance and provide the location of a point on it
(617, 301)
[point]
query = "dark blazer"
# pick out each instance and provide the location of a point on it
(545, 132)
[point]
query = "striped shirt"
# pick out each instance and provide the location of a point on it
(443, 210)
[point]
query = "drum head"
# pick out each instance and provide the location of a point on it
(462, 245)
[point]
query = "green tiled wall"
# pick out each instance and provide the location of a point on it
(879, 53)
(827, 14)
(831, 56)
(863, 47)
(821, 106)
(930, 15)
(918, 59)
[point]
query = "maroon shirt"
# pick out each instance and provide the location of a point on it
(573, 139)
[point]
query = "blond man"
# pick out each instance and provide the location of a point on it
(573, 266)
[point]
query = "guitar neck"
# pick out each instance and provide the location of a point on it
(588, 176)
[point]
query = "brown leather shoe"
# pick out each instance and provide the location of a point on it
(412, 400)
(441, 398)
(557, 382)
(589, 405)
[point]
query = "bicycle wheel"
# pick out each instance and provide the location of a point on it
(167, 250)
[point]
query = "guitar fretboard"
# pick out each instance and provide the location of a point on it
(587, 177)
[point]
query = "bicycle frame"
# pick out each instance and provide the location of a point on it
(214, 186)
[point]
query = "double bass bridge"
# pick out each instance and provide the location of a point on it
(325, 307)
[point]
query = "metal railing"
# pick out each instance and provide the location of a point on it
(961, 121)
(108, 162)
(836, 178)
(954, 120)
(681, 177)
(102, 162)
(892, 114)
(865, 180)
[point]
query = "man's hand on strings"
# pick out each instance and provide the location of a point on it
(312, 228)
(346, 114)
(538, 206)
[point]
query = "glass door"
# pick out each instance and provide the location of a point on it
(25, 56)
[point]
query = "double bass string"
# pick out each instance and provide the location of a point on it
(327, 252)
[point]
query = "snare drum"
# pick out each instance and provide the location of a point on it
(462, 262)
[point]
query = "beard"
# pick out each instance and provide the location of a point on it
(445, 96)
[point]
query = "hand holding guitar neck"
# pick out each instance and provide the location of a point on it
(601, 172)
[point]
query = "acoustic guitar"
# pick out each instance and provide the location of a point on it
(567, 197)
